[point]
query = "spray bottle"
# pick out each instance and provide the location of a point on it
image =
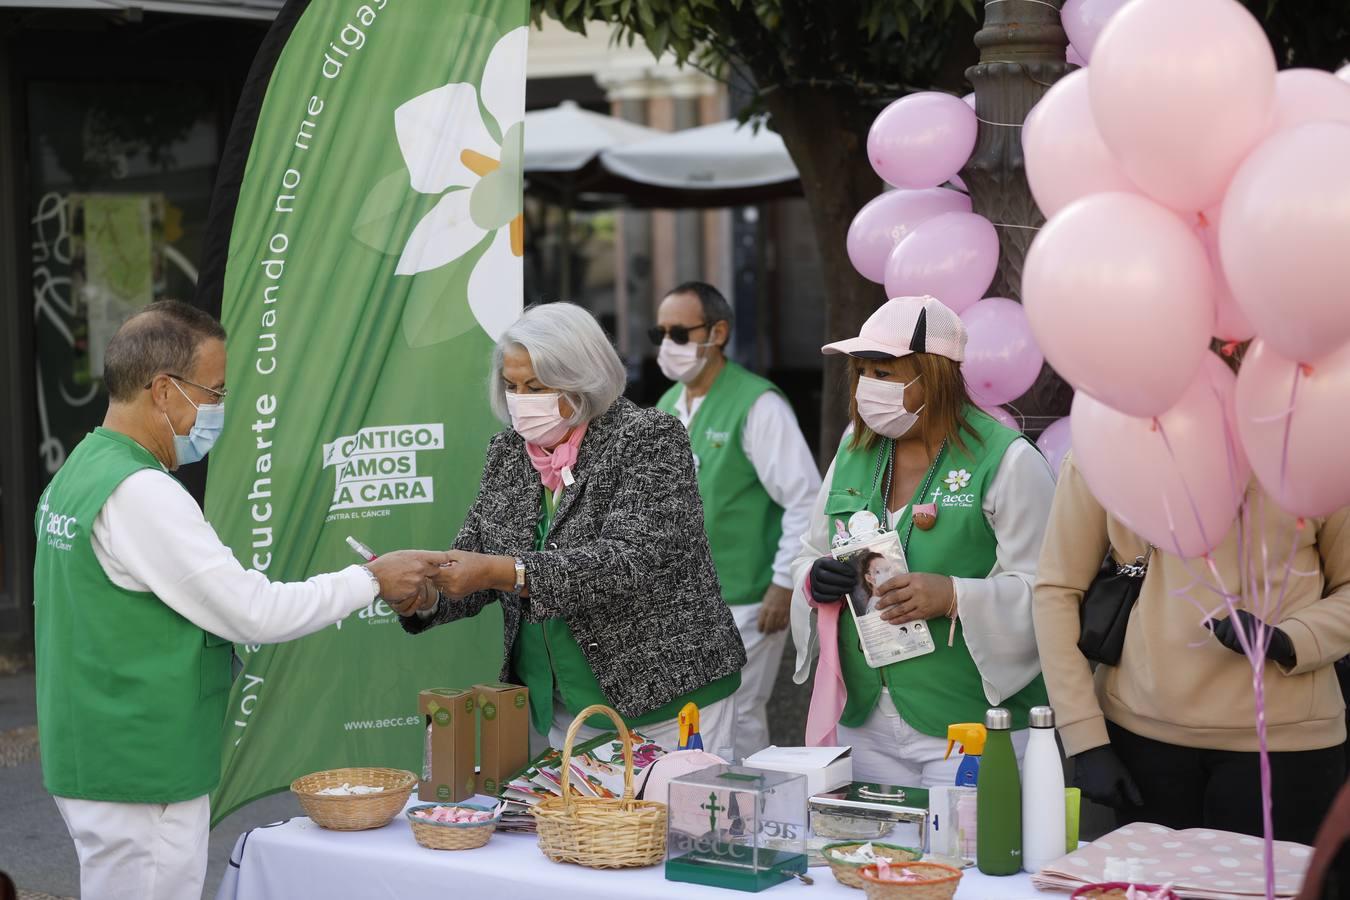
(971, 736)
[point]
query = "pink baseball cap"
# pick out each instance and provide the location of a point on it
(906, 325)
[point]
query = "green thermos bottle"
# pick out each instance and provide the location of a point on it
(998, 823)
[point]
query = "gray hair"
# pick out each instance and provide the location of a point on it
(163, 337)
(570, 353)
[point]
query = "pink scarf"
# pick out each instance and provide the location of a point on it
(555, 466)
(829, 694)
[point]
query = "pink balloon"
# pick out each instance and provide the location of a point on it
(1074, 58)
(1230, 323)
(1066, 157)
(1309, 95)
(952, 257)
(1055, 442)
(886, 220)
(1002, 359)
(1313, 480)
(1177, 480)
(969, 99)
(1083, 21)
(1120, 297)
(1285, 239)
(1343, 73)
(1182, 92)
(1003, 417)
(922, 140)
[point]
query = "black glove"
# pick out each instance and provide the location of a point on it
(1280, 650)
(831, 579)
(1103, 778)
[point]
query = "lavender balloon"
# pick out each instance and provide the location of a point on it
(952, 257)
(1055, 442)
(1074, 58)
(922, 140)
(1002, 416)
(887, 220)
(1002, 359)
(1083, 21)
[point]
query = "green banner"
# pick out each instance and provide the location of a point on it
(370, 252)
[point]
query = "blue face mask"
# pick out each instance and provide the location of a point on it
(198, 441)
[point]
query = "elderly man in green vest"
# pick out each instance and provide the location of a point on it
(136, 603)
(757, 478)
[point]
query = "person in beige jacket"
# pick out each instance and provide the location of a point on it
(1169, 735)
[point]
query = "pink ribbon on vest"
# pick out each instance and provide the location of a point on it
(829, 694)
(552, 464)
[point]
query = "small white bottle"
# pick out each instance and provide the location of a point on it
(1043, 838)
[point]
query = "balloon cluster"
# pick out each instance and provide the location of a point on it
(922, 238)
(1193, 194)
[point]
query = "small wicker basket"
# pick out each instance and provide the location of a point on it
(601, 833)
(452, 835)
(357, 812)
(847, 872)
(940, 886)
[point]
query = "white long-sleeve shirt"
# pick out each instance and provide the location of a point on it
(778, 452)
(151, 536)
(995, 610)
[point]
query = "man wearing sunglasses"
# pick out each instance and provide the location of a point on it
(137, 604)
(756, 476)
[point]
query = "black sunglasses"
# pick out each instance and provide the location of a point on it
(678, 333)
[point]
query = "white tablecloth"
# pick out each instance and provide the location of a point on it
(298, 859)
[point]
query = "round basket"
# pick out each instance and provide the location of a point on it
(602, 834)
(451, 835)
(357, 812)
(847, 872)
(940, 886)
(1094, 890)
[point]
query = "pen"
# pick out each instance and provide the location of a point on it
(360, 549)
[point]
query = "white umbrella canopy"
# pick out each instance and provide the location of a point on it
(725, 156)
(566, 137)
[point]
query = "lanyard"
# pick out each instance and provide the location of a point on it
(887, 459)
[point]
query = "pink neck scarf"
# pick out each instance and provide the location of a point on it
(829, 695)
(555, 466)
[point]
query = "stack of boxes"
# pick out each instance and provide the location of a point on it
(453, 719)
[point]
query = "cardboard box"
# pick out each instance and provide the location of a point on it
(504, 734)
(825, 768)
(449, 717)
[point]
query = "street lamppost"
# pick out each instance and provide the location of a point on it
(1022, 48)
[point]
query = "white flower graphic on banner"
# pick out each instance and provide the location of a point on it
(449, 151)
(957, 479)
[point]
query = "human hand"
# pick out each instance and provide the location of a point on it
(774, 609)
(402, 573)
(1103, 778)
(914, 596)
(426, 598)
(1280, 650)
(831, 579)
(467, 573)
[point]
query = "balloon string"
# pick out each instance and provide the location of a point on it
(989, 3)
(1001, 124)
(1009, 225)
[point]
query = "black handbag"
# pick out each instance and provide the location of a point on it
(1106, 608)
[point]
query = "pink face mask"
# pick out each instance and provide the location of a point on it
(882, 406)
(536, 418)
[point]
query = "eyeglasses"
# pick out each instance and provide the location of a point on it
(218, 395)
(679, 334)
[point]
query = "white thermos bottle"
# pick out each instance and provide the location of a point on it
(1043, 837)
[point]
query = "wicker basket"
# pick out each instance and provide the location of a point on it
(847, 872)
(451, 835)
(357, 812)
(602, 834)
(941, 886)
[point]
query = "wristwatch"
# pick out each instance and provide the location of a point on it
(520, 576)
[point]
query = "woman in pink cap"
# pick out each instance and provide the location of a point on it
(969, 499)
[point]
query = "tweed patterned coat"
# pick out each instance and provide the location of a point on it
(626, 566)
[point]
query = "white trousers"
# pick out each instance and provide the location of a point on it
(715, 724)
(886, 750)
(764, 653)
(139, 851)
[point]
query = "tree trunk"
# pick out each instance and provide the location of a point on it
(826, 133)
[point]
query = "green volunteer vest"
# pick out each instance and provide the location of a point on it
(130, 695)
(546, 655)
(743, 523)
(933, 691)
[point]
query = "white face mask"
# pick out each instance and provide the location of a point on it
(882, 406)
(536, 418)
(681, 362)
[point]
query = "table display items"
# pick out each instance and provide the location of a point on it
(952, 825)
(998, 824)
(352, 811)
(450, 717)
(866, 811)
(736, 827)
(600, 832)
(503, 733)
(969, 737)
(825, 768)
(1043, 804)
(847, 859)
(1117, 890)
(1195, 863)
(910, 881)
(455, 826)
